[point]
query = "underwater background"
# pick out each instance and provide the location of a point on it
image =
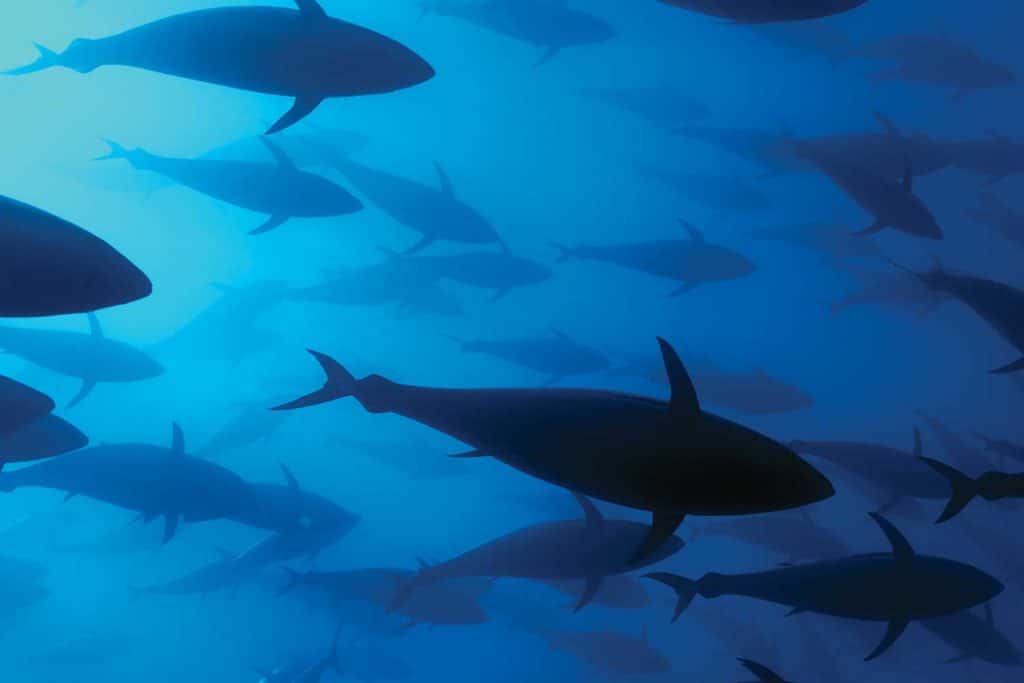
(547, 163)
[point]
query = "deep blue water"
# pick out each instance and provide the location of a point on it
(544, 164)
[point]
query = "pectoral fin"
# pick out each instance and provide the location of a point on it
(87, 386)
(1012, 367)
(589, 591)
(270, 224)
(170, 526)
(663, 526)
(303, 107)
(892, 633)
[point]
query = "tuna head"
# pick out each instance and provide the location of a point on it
(739, 471)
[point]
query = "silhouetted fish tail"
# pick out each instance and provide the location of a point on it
(686, 589)
(964, 489)
(339, 383)
(47, 59)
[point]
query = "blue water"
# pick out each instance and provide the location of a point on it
(544, 165)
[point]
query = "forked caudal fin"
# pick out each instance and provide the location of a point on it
(339, 383)
(47, 59)
(686, 589)
(963, 489)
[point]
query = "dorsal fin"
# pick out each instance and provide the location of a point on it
(591, 514)
(908, 174)
(311, 8)
(446, 183)
(177, 440)
(95, 329)
(684, 401)
(280, 157)
(695, 234)
(293, 483)
(887, 123)
(900, 545)
(763, 673)
(918, 447)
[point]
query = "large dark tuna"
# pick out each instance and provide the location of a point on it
(303, 54)
(671, 458)
(49, 266)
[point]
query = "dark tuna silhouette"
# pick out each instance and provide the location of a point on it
(46, 437)
(154, 481)
(896, 587)
(671, 458)
(302, 53)
(291, 510)
(892, 204)
(557, 355)
(551, 26)
(975, 638)
(497, 271)
(833, 243)
(613, 654)
(794, 537)
(998, 304)
(92, 358)
(21, 405)
(435, 213)
(938, 60)
(761, 12)
(895, 474)
(279, 189)
(690, 262)
(49, 266)
(587, 549)
(989, 485)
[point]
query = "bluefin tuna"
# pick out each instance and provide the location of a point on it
(630, 450)
(303, 54)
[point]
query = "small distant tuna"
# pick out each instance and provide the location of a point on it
(49, 266)
(557, 355)
(998, 304)
(663, 106)
(280, 190)
(92, 357)
(301, 53)
(896, 587)
(938, 60)
(552, 26)
(690, 262)
(151, 480)
(892, 204)
(588, 549)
